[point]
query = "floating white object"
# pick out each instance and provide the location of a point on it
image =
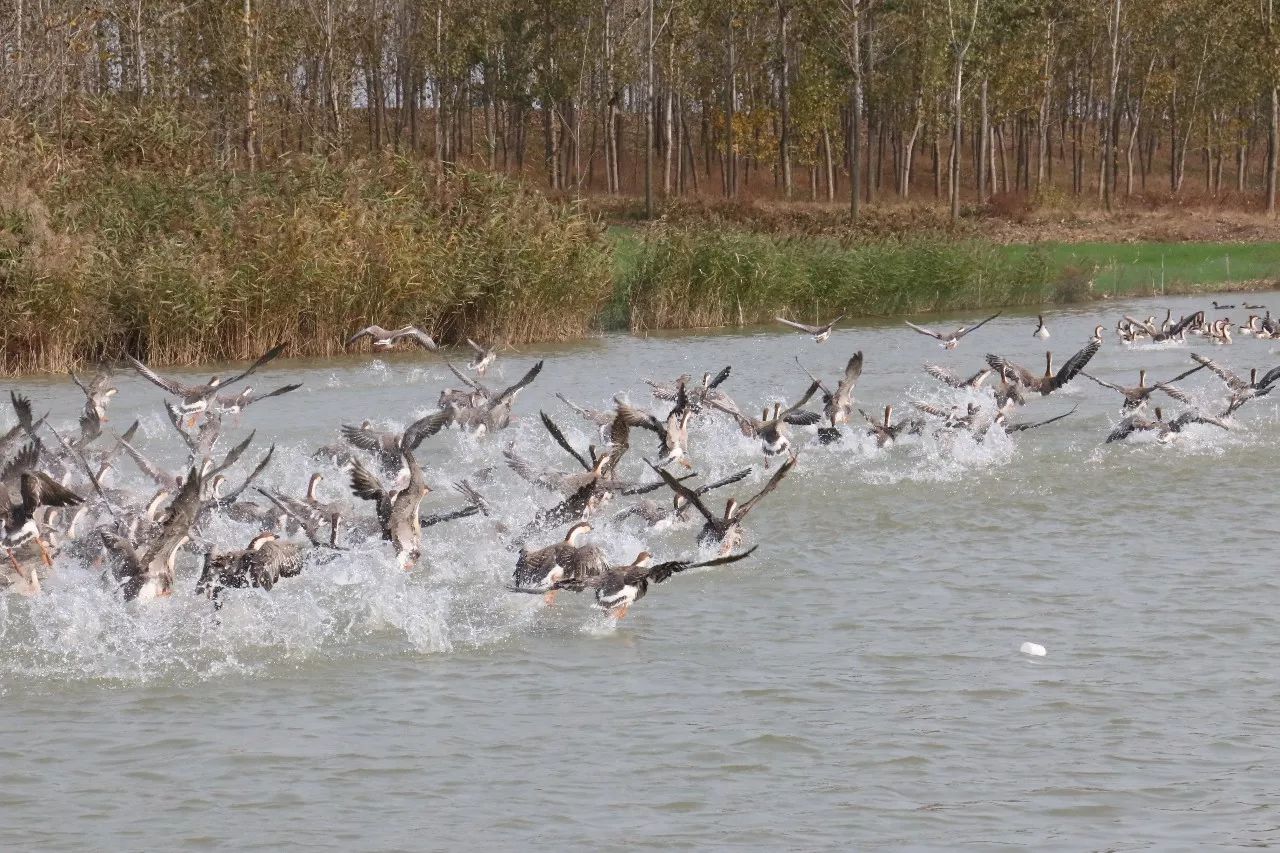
(1033, 649)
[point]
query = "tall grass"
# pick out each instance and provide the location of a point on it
(690, 277)
(176, 266)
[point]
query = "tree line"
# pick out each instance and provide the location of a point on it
(808, 99)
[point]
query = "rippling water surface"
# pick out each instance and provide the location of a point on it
(858, 682)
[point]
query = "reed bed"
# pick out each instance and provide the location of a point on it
(687, 277)
(98, 259)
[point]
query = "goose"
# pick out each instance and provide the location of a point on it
(951, 340)
(386, 447)
(1249, 307)
(385, 339)
(261, 565)
(725, 530)
(539, 571)
(602, 418)
(1175, 331)
(885, 432)
(820, 333)
(617, 588)
(145, 568)
(838, 405)
(1218, 307)
(953, 418)
(661, 517)
(672, 431)
(1242, 391)
(234, 404)
(398, 509)
(1042, 331)
(1050, 381)
(494, 412)
(97, 393)
(699, 395)
(1008, 426)
(484, 357)
(1165, 430)
(18, 524)
(1136, 396)
(196, 399)
(772, 429)
(1097, 335)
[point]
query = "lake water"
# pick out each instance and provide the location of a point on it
(857, 683)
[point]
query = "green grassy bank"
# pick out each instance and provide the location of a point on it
(680, 276)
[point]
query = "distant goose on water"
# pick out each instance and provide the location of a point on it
(1042, 331)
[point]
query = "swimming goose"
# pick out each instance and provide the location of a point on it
(484, 357)
(385, 339)
(145, 568)
(838, 405)
(1042, 331)
(398, 509)
(950, 340)
(1136, 396)
(1165, 430)
(772, 429)
(672, 431)
(1175, 331)
(97, 393)
(261, 565)
(540, 570)
(197, 398)
(820, 333)
(725, 530)
(1050, 381)
(1249, 307)
(953, 379)
(1218, 307)
(617, 588)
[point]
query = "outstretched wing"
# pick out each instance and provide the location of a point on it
(559, 438)
(425, 426)
(684, 491)
(782, 471)
(168, 385)
(266, 358)
(964, 330)
(1234, 382)
(524, 380)
(660, 572)
(922, 330)
(363, 484)
(1075, 364)
(727, 481)
(813, 330)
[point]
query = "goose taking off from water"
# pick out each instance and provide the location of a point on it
(1050, 381)
(197, 398)
(820, 333)
(950, 340)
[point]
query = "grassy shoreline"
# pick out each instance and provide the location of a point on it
(99, 258)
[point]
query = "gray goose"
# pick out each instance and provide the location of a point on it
(885, 431)
(386, 447)
(772, 429)
(484, 357)
(1242, 391)
(261, 565)
(145, 569)
(385, 339)
(951, 340)
(672, 431)
(837, 406)
(949, 377)
(617, 588)
(398, 509)
(234, 404)
(539, 571)
(494, 413)
(1165, 430)
(1136, 396)
(1050, 381)
(196, 399)
(660, 517)
(724, 530)
(97, 393)
(820, 333)
(18, 524)
(699, 395)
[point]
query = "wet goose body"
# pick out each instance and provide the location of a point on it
(542, 570)
(398, 509)
(1165, 430)
(617, 588)
(1136, 396)
(1051, 381)
(724, 530)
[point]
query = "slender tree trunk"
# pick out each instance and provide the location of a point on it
(855, 116)
(250, 89)
(984, 134)
(784, 101)
(648, 123)
(1109, 139)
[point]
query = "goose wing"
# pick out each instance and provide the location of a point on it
(39, 489)
(146, 466)
(685, 492)
(1022, 427)
(944, 375)
(263, 360)
(719, 378)
(506, 393)
(1075, 364)
(559, 438)
(1264, 384)
(964, 330)
(1002, 365)
(374, 331)
(852, 370)
(662, 571)
(636, 418)
(419, 337)
(721, 483)
(233, 496)
(233, 455)
(1127, 427)
(364, 484)
(425, 426)
(1234, 382)
(922, 330)
(782, 471)
(473, 384)
(1104, 383)
(548, 478)
(813, 330)
(479, 350)
(364, 438)
(175, 388)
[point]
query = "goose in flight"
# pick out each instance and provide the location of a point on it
(1136, 396)
(1242, 391)
(1165, 430)
(950, 340)
(820, 333)
(385, 339)
(772, 430)
(196, 399)
(837, 406)
(483, 359)
(725, 530)
(1051, 381)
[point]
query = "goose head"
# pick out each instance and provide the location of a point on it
(262, 539)
(312, 483)
(730, 508)
(576, 532)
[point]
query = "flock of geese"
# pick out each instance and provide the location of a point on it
(58, 493)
